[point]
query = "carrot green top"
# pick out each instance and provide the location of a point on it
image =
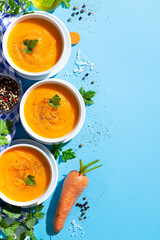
(83, 169)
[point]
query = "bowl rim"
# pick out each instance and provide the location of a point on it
(51, 186)
(60, 27)
(80, 122)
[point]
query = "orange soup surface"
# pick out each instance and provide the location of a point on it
(47, 51)
(15, 166)
(47, 121)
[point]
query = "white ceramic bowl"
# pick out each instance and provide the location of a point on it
(80, 122)
(65, 52)
(51, 187)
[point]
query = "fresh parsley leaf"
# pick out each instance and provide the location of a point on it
(56, 149)
(3, 140)
(6, 126)
(68, 154)
(12, 211)
(3, 224)
(30, 180)
(30, 45)
(87, 96)
(23, 236)
(39, 215)
(30, 223)
(55, 101)
(14, 8)
(39, 207)
(9, 232)
(66, 3)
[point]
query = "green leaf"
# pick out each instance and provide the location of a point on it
(30, 233)
(30, 180)
(30, 222)
(12, 211)
(29, 45)
(3, 140)
(56, 149)
(39, 207)
(9, 232)
(6, 126)
(55, 101)
(23, 236)
(68, 154)
(13, 226)
(66, 3)
(3, 224)
(87, 96)
(39, 215)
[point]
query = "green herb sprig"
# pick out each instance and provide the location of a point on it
(14, 8)
(66, 155)
(5, 129)
(30, 180)
(29, 45)
(54, 101)
(15, 214)
(87, 96)
(66, 3)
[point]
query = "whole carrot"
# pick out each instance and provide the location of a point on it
(74, 185)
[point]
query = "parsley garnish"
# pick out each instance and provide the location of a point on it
(3, 140)
(66, 3)
(14, 8)
(6, 127)
(30, 180)
(66, 155)
(27, 223)
(54, 101)
(30, 45)
(87, 96)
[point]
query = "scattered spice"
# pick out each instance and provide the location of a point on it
(92, 82)
(75, 8)
(80, 218)
(69, 19)
(77, 13)
(73, 14)
(82, 11)
(86, 74)
(81, 145)
(83, 6)
(9, 93)
(89, 13)
(84, 198)
(80, 18)
(83, 78)
(83, 208)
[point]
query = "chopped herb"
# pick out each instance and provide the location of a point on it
(87, 96)
(30, 45)
(66, 155)
(54, 101)
(30, 180)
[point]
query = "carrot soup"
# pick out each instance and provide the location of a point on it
(35, 45)
(46, 117)
(19, 164)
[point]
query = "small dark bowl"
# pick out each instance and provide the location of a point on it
(20, 94)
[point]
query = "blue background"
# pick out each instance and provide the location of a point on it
(121, 128)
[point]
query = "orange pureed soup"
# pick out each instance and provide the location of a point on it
(47, 121)
(15, 166)
(47, 51)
